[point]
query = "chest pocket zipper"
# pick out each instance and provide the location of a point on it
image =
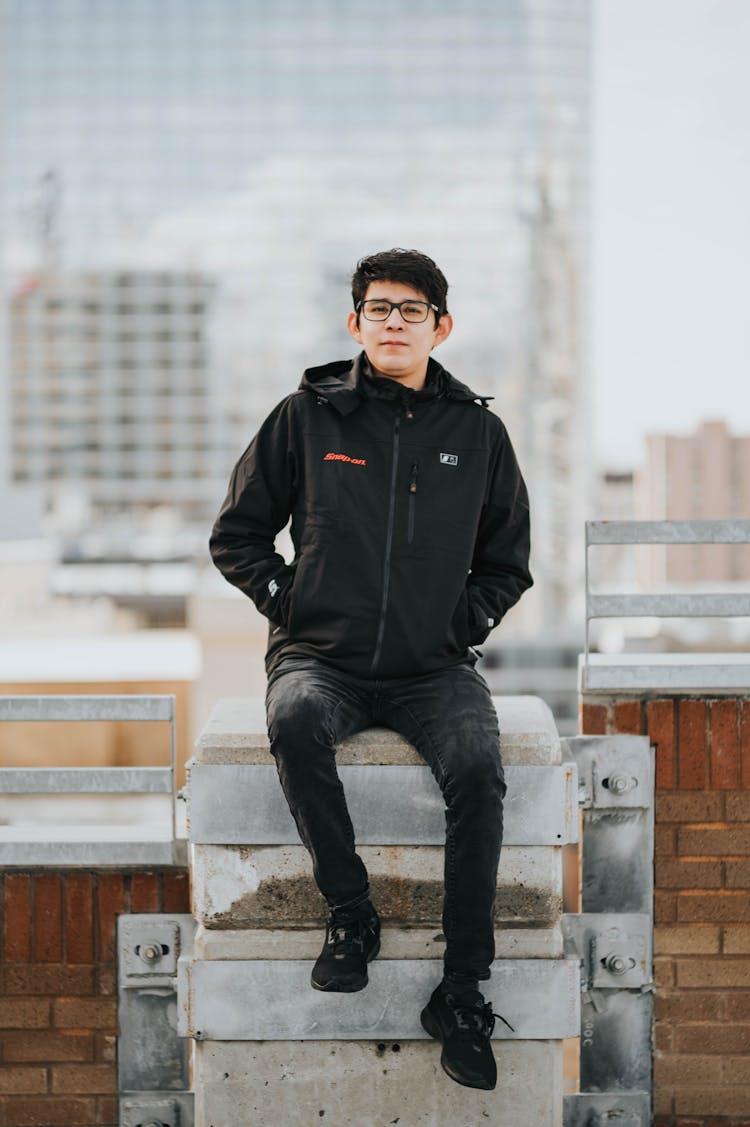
(412, 500)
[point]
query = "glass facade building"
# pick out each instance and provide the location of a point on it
(249, 152)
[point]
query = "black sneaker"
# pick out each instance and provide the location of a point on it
(351, 943)
(464, 1023)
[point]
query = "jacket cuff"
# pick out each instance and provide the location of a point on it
(480, 624)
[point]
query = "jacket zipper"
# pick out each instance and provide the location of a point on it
(412, 500)
(388, 546)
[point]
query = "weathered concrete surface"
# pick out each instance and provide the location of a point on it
(237, 886)
(370, 1084)
(395, 943)
(236, 733)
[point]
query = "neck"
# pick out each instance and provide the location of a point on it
(414, 380)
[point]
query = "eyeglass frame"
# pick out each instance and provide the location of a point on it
(396, 305)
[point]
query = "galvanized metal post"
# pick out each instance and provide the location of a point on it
(612, 936)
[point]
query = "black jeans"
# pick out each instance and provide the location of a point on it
(449, 718)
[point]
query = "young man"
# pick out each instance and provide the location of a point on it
(410, 525)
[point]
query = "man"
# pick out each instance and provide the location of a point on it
(410, 525)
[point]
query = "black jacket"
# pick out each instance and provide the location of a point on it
(410, 522)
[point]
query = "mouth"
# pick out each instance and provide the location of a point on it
(394, 344)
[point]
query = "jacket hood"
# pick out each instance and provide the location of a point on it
(346, 383)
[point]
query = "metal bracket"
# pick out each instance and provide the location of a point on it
(152, 1058)
(607, 1109)
(615, 949)
(614, 772)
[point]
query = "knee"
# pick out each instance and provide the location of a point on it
(296, 721)
(477, 775)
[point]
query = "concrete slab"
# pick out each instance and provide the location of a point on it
(272, 1000)
(371, 1084)
(243, 804)
(236, 733)
(236, 886)
(395, 943)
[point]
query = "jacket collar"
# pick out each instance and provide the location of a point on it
(347, 383)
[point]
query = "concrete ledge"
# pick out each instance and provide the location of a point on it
(272, 886)
(395, 943)
(243, 804)
(665, 673)
(371, 1084)
(272, 1000)
(236, 733)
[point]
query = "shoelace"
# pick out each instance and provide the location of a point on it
(475, 1020)
(346, 938)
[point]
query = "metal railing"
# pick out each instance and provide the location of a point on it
(670, 605)
(122, 781)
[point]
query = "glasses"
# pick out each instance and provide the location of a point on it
(378, 309)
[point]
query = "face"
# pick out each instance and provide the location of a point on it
(397, 348)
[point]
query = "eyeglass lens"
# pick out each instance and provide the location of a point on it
(414, 311)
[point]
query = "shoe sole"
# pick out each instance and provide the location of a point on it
(431, 1026)
(337, 987)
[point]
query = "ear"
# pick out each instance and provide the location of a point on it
(443, 329)
(353, 327)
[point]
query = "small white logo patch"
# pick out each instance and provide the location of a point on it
(449, 459)
(273, 587)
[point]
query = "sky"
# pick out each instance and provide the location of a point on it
(670, 329)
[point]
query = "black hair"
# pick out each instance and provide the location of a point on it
(410, 267)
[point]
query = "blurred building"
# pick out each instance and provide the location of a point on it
(111, 399)
(266, 147)
(700, 476)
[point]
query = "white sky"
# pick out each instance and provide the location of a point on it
(671, 204)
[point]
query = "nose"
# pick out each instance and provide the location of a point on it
(397, 324)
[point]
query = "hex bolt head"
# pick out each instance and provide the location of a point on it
(616, 964)
(618, 784)
(150, 952)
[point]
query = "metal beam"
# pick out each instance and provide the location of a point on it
(85, 780)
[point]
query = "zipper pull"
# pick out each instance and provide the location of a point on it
(413, 479)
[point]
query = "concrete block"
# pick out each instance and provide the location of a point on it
(395, 943)
(236, 886)
(243, 804)
(272, 1000)
(370, 1084)
(236, 733)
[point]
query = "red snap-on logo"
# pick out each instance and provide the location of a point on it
(344, 458)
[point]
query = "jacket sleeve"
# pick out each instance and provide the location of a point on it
(500, 565)
(257, 506)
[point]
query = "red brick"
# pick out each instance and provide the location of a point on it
(660, 729)
(689, 1005)
(627, 717)
(688, 874)
(106, 1047)
(745, 741)
(692, 767)
(106, 979)
(40, 978)
(736, 940)
(85, 1013)
(709, 1037)
(664, 971)
(723, 1100)
(692, 939)
(665, 841)
(24, 1013)
(737, 1005)
(690, 1068)
(176, 891)
(48, 945)
(144, 892)
(736, 1070)
(79, 918)
(738, 807)
(107, 1111)
(721, 907)
(110, 902)
(84, 1079)
(731, 840)
(663, 1038)
(665, 907)
(737, 874)
(594, 719)
(17, 917)
(693, 806)
(49, 1111)
(723, 973)
(48, 1047)
(725, 744)
(23, 1081)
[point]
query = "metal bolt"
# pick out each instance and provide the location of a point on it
(150, 953)
(618, 784)
(616, 964)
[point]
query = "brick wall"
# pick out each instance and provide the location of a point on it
(58, 989)
(702, 900)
